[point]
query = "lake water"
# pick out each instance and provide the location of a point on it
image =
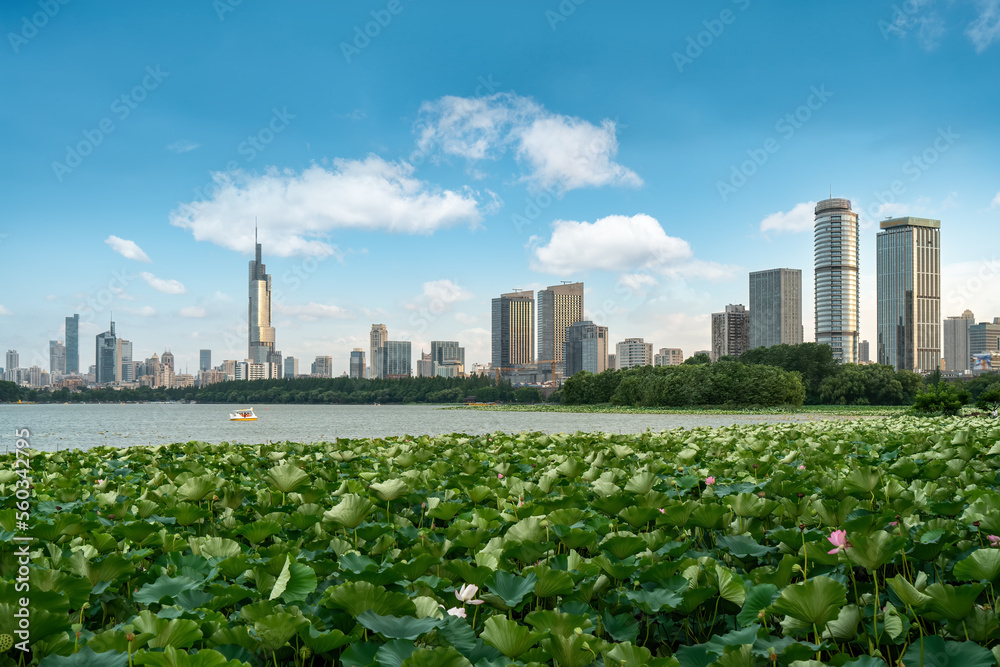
(83, 426)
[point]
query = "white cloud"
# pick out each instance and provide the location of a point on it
(162, 284)
(192, 311)
(986, 28)
(445, 291)
(614, 243)
(182, 146)
(916, 15)
(145, 311)
(298, 210)
(4, 311)
(638, 281)
(559, 151)
(800, 219)
(466, 319)
(996, 201)
(127, 249)
(313, 311)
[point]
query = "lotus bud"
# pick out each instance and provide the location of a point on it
(304, 652)
(800, 494)
(802, 526)
(130, 637)
(761, 494)
(578, 631)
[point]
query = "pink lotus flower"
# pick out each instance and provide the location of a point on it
(838, 539)
(466, 593)
(709, 481)
(499, 475)
(994, 540)
(802, 467)
(893, 523)
(457, 611)
(662, 511)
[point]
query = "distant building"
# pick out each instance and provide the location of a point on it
(513, 328)
(707, 353)
(57, 358)
(108, 357)
(775, 307)
(357, 369)
(379, 335)
(12, 364)
(957, 344)
(730, 332)
(612, 361)
(323, 366)
(396, 362)
(168, 360)
(210, 376)
(204, 360)
(984, 337)
(291, 367)
(669, 356)
(277, 367)
(837, 243)
(447, 358)
(73, 344)
(908, 253)
(128, 369)
(425, 366)
(863, 353)
(558, 307)
(260, 337)
(633, 352)
(585, 348)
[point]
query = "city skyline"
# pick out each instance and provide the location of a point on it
(671, 154)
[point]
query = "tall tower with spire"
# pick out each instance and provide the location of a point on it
(261, 333)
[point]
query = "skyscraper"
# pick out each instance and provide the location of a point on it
(204, 360)
(513, 329)
(447, 353)
(775, 307)
(559, 306)
(863, 357)
(396, 359)
(379, 335)
(357, 363)
(261, 333)
(957, 348)
(127, 372)
(837, 243)
(12, 364)
(908, 254)
(73, 344)
(291, 368)
(108, 355)
(730, 332)
(585, 348)
(57, 358)
(323, 366)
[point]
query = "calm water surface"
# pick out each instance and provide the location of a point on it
(83, 426)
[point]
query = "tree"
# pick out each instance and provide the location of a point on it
(989, 399)
(700, 358)
(942, 397)
(527, 395)
(814, 361)
(9, 392)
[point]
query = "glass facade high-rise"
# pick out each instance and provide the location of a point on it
(357, 369)
(57, 358)
(984, 337)
(291, 368)
(513, 329)
(863, 356)
(204, 360)
(73, 344)
(108, 355)
(261, 334)
(447, 358)
(559, 306)
(396, 359)
(585, 348)
(379, 335)
(836, 245)
(775, 307)
(908, 255)
(730, 332)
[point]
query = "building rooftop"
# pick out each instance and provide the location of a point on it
(910, 222)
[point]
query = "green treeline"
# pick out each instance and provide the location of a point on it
(298, 390)
(725, 383)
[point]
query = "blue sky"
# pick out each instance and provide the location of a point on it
(459, 150)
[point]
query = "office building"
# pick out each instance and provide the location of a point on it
(378, 337)
(357, 369)
(775, 307)
(57, 358)
(291, 367)
(612, 361)
(908, 258)
(669, 356)
(585, 348)
(957, 348)
(73, 344)
(513, 328)
(984, 337)
(12, 364)
(633, 352)
(204, 360)
(730, 332)
(425, 367)
(559, 306)
(396, 360)
(863, 353)
(323, 366)
(108, 356)
(448, 358)
(837, 243)
(260, 339)
(125, 353)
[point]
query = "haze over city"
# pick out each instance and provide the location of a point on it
(405, 163)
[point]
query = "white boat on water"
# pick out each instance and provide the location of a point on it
(244, 415)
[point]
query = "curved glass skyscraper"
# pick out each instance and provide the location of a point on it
(836, 251)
